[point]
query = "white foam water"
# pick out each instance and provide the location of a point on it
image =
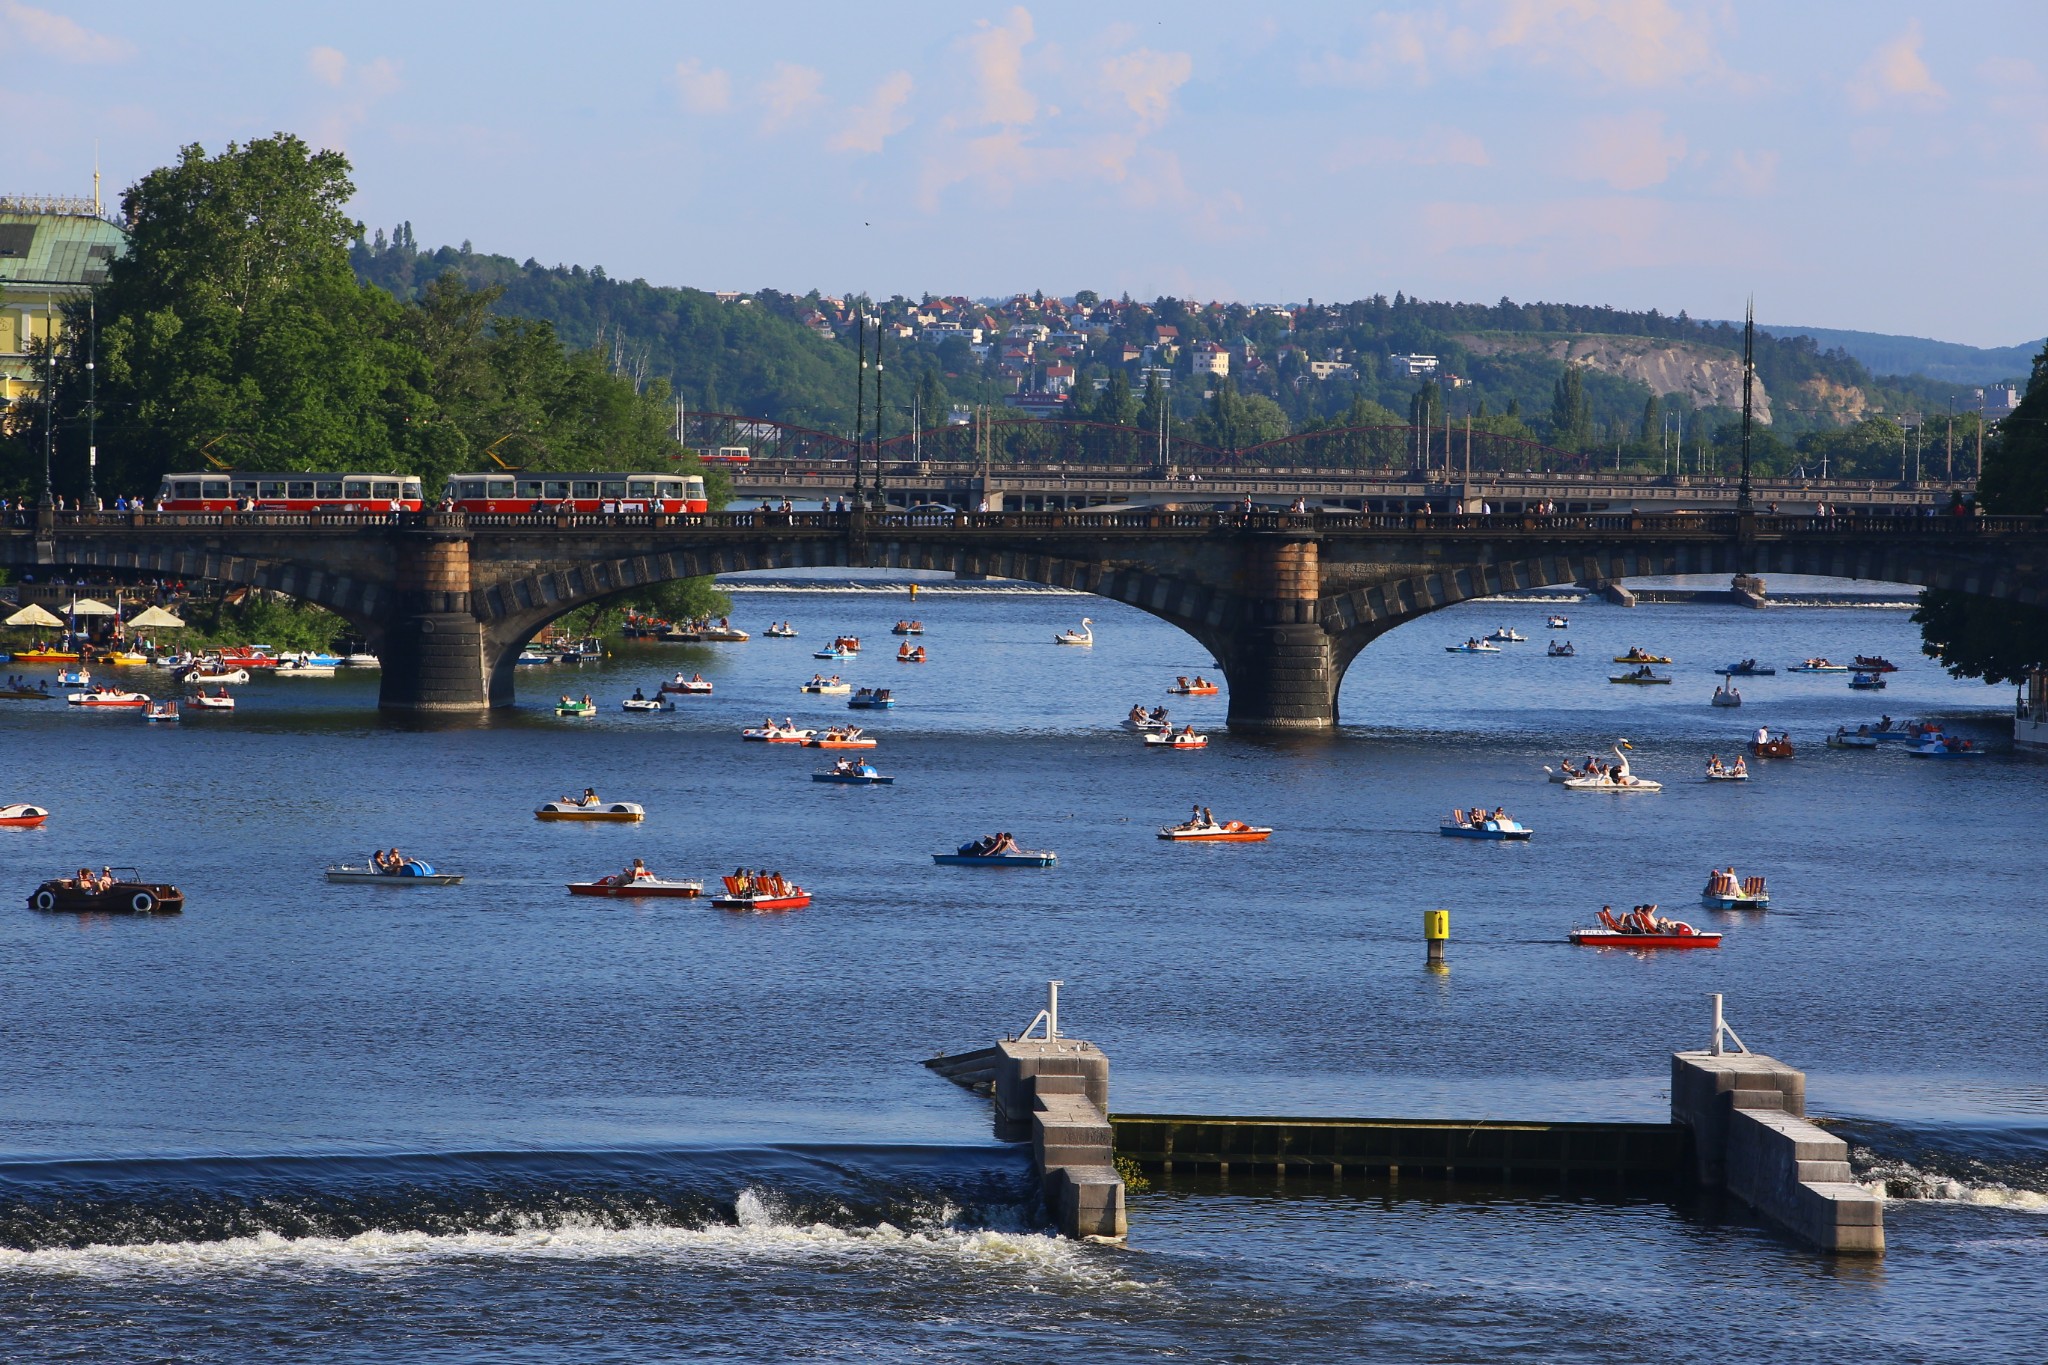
(764, 1231)
(1895, 1180)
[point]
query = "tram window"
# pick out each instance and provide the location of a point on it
(615, 488)
(270, 488)
(299, 490)
(532, 488)
(185, 488)
(243, 488)
(558, 488)
(213, 488)
(327, 488)
(386, 489)
(412, 490)
(586, 488)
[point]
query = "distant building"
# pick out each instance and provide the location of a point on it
(1411, 366)
(1059, 379)
(1209, 358)
(1997, 402)
(1329, 369)
(53, 248)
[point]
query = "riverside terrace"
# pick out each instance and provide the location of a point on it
(1284, 601)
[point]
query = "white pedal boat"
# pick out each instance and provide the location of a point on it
(613, 812)
(1176, 741)
(777, 734)
(654, 703)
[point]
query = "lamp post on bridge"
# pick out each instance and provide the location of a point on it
(1742, 499)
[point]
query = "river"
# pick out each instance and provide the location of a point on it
(492, 1122)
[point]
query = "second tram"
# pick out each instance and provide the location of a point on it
(526, 491)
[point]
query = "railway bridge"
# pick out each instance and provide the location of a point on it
(1285, 601)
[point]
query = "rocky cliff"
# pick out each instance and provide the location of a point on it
(1708, 375)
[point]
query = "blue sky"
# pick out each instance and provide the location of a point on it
(1868, 165)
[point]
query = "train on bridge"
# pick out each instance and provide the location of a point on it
(517, 492)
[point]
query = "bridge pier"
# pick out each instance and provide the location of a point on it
(1282, 670)
(433, 645)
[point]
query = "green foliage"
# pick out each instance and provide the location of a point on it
(258, 619)
(1976, 637)
(1132, 1174)
(1571, 416)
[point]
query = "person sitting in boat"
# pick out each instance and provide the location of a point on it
(1714, 768)
(1181, 683)
(638, 872)
(1159, 715)
(696, 677)
(1741, 768)
(1882, 725)
(638, 695)
(1187, 731)
(589, 798)
(565, 701)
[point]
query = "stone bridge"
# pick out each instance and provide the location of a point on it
(1284, 601)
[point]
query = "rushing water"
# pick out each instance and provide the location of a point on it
(493, 1122)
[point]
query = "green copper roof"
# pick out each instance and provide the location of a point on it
(59, 243)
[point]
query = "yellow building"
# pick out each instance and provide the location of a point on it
(52, 249)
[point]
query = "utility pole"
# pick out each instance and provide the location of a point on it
(1742, 503)
(860, 397)
(881, 498)
(49, 400)
(1949, 473)
(92, 393)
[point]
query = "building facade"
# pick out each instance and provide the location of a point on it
(53, 248)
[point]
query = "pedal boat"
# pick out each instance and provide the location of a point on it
(1724, 891)
(109, 698)
(303, 668)
(1748, 668)
(1560, 623)
(876, 699)
(1147, 726)
(43, 654)
(1226, 832)
(626, 885)
(849, 739)
(915, 656)
(1084, 636)
(1642, 927)
(1205, 689)
(1818, 666)
(612, 812)
(1508, 635)
(687, 687)
(162, 713)
(1618, 778)
(777, 734)
(1168, 740)
(907, 628)
(753, 893)
(129, 895)
(576, 708)
(21, 815)
(206, 703)
(834, 652)
(853, 775)
(1726, 696)
(199, 677)
(27, 694)
(658, 702)
(1875, 663)
(1472, 647)
(413, 872)
(1845, 738)
(74, 677)
(1781, 747)
(1941, 746)
(1645, 678)
(778, 633)
(126, 658)
(1008, 856)
(1867, 682)
(723, 635)
(1486, 829)
(827, 689)
(1727, 774)
(1561, 649)
(1637, 656)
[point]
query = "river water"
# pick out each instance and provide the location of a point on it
(492, 1122)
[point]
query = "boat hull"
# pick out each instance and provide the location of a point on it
(638, 890)
(608, 812)
(1251, 834)
(1607, 938)
(358, 876)
(22, 816)
(1021, 858)
(1736, 902)
(761, 902)
(840, 743)
(1641, 682)
(853, 779)
(1470, 832)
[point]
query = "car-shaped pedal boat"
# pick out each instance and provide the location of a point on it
(833, 688)
(632, 885)
(843, 739)
(129, 895)
(411, 872)
(22, 815)
(614, 812)
(1216, 832)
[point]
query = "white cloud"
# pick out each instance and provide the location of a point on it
(328, 65)
(1896, 71)
(1619, 42)
(1145, 80)
(701, 89)
(58, 36)
(1629, 151)
(790, 93)
(996, 52)
(870, 125)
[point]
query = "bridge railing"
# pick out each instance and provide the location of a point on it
(1133, 521)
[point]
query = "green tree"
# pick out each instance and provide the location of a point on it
(1653, 418)
(1117, 404)
(235, 322)
(1977, 637)
(1571, 416)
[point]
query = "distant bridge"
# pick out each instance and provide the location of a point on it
(1284, 601)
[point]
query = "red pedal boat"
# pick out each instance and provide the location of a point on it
(761, 891)
(1642, 927)
(22, 815)
(1224, 832)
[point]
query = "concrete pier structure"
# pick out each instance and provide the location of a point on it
(1054, 1093)
(1751, 1137)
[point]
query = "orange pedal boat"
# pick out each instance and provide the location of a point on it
(1216, 832)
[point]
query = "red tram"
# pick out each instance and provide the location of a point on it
(531, 491)
(299, 492)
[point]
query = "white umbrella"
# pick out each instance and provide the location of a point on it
(33, 615)
(155, 618)
(86, 606)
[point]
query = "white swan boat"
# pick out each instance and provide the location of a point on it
(1084, 636)
(1618, 778)
(1726, 695)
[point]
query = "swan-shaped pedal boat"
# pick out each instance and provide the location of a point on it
(1617, 777)
(1726, 695)
(411, 872)
(1084, 636)
(591, 808)
(22, 815)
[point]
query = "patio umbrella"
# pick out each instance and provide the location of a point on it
(33, 615)
(155, 618)
(86, 606)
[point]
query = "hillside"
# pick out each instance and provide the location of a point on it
(1949, 362)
